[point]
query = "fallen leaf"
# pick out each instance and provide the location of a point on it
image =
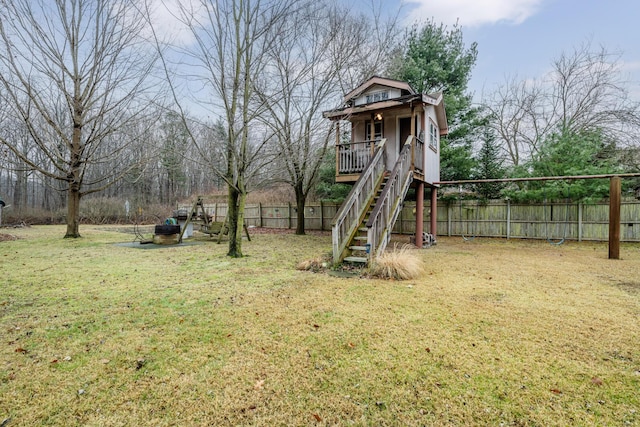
(140, 363)
(351, 345)
(104, 361)
(258, 385)
(556, 391)
(67, 359)
(21, 350)
(317, 417)
(316, 326)
(428, 350)
(54, 361)
(596, 381)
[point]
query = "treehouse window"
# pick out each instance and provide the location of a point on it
(433, 136)
(377, 96)
(377, 131)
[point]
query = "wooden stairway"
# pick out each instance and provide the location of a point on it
(362, 227)
(359, 247)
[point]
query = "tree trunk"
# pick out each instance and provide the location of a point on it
(235, 248)
(242, 197)
(301, 199)
(73, 212)
(20, 190)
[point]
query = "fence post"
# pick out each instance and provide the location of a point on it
(289, 215)
(321, 216)
(579, 222)
(215, 212)
(508, 218)
(614, 217)
(449, 219)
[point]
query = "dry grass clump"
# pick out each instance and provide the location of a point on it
(315, 265)
(7, 237)
(400, 264)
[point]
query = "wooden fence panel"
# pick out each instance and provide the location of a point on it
(496, 218)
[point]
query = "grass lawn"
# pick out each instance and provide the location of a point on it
(512, 333)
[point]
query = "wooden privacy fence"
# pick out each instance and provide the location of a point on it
(497, 218)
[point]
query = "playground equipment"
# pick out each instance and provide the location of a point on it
(181, 225)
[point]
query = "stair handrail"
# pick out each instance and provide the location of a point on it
(350, 214)
(387, 208)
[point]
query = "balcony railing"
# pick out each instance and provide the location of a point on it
(352, 157)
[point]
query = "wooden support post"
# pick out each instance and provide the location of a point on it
(321, 216)
(434, 212)
(449, 219)
(419, 213)
(579, 222)
(614, 217)
(508, 218)
(372, 130)
(337, 148)
(260, 215)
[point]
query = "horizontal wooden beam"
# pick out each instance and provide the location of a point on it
(539, 178)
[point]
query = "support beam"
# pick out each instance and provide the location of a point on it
(433, 216)
(614, 217)
(337, 149)
(419, 214)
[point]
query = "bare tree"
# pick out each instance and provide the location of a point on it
(301, 80)
(513, 109)
(584, 92)
(76, 76)
(231, 37)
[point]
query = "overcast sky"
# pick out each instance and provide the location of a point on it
(516, 38)
(521, 37)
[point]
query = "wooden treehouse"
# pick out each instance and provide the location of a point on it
(387, 140)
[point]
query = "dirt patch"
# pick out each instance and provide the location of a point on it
(261, 230)
(7, 237)
(630, 287)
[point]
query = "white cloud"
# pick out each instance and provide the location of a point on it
(169, 16)
(473, 13)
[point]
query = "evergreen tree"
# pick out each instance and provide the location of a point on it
(567, 153)
(436, 59)
(489, 165)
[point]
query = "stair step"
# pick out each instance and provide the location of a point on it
(358, 248)
(358, 259)
(363, 229)
(360, 238)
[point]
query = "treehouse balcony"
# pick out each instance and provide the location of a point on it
(353, 157)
